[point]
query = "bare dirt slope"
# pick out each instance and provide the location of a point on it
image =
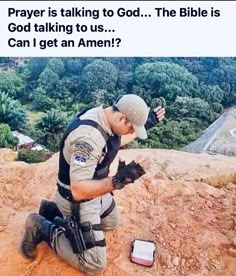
(193, 223)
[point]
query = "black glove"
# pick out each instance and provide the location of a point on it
(121, 165)
(127, 174)
(151, 121)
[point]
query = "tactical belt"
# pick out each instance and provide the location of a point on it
(66, 194)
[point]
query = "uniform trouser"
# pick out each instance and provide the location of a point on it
(93, 260)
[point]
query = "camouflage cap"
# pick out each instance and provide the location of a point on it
(136, 111)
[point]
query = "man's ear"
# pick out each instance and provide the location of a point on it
(122, 117)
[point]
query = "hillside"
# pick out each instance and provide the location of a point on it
(186, 203)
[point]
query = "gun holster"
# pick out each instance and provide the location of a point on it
(81, 236)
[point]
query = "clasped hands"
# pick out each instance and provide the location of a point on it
(128, 173)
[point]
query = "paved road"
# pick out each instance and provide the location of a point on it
(203, 143)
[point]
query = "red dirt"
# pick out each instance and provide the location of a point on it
(186, 203)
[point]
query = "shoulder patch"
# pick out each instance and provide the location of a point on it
(84, 147)
(80, 160)
(82, 153)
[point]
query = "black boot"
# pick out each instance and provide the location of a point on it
(37, 229)
(49, 210)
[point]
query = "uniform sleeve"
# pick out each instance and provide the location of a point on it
(85, 154)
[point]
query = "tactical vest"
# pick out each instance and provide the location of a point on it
(102, 170)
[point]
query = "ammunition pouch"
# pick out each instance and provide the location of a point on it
(81, 236)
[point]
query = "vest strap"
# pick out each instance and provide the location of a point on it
(109, 210)
(101, 243)
(96, 227)
(97, 126)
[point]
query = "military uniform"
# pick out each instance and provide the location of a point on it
(87, 149)
(84, 148)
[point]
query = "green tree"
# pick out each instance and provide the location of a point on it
(171, 135)
(10, 83)
(214, 71)
(11, 112)
(228, 83)
(6, 60)
(162, 79)
(40, 100)
(101, 96)
(57, 66)
(186, 107)
(76, 108)
(212, 93)
(62, 93)
(98, 75)
(71, 84)
(125, 81)
(48, 81)
(52, 125)
(74, 66)
(7, 139)
(35, 67)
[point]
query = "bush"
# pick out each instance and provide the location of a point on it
(7, 139)
(33, 156)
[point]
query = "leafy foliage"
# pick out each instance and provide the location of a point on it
(7, 139)
(10, 83)
(48, 80)
(33, 156)
(11, 112)
(195, 91)
(191, 107)
(35, 67)
(41, 102)
(52, 125)
(167, 80)
(57, 66)
(99, 75)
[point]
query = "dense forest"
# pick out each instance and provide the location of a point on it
(38, 96)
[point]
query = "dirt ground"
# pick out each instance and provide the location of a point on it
(186, 203)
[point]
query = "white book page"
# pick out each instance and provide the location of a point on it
(143, 250)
